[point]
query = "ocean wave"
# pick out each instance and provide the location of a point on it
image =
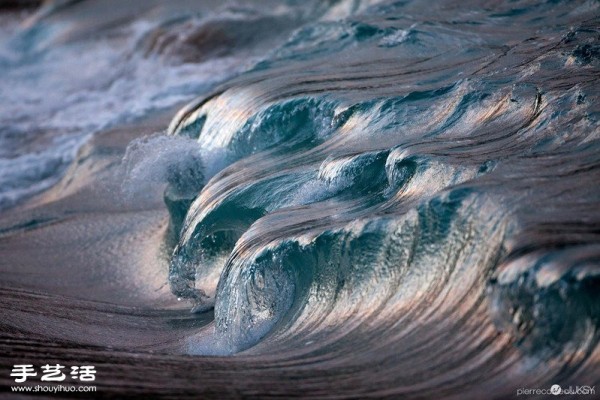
(388, 199)
(376, 189)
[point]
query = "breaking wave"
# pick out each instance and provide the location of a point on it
(389, 198)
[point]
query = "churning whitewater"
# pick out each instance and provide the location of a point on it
(365, 198)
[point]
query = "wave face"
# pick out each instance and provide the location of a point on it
(388, 199)
(404, 170)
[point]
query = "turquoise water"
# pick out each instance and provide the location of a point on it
(397, 156)
(403, 195)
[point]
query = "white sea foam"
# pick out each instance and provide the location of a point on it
(71, 91)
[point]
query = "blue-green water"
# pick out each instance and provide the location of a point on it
(400, 196)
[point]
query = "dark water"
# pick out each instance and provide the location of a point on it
(355, 199)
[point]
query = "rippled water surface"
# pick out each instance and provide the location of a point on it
(320, 199)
